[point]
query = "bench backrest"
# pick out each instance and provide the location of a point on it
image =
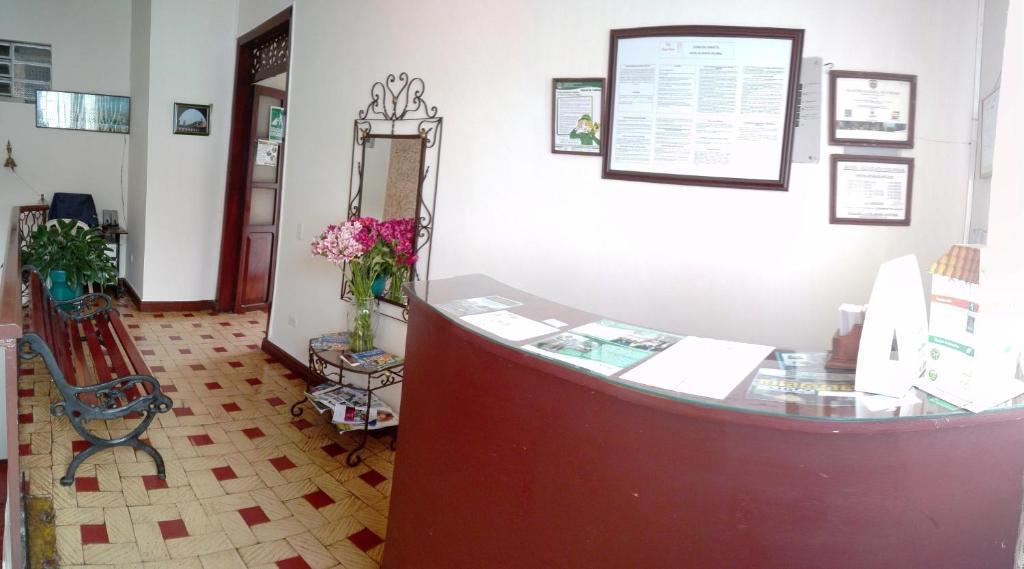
(88, 340)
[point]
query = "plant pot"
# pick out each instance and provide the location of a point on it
(59, 286)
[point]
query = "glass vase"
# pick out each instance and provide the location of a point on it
(362, 323)
(399, 277)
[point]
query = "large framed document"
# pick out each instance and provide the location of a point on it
(702, 105)
(871, 190)
(871, 109)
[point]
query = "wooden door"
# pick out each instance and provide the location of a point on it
(262, 204)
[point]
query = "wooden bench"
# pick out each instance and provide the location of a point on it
(96, 367)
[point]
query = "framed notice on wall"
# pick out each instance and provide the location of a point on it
(576, 116)
(871, 190)
(702, 105)
(871, 109)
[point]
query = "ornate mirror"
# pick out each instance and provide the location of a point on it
(395, 155)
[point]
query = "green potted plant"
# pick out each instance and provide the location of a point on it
(64, 251)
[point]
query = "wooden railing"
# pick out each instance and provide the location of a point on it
(23, 222)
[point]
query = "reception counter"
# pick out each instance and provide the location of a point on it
(509, 459)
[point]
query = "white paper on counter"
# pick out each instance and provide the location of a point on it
(555, 322)
(508, 325)
(700, 366)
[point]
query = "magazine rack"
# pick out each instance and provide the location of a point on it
(328, 366)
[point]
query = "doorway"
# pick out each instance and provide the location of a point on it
(252, 200)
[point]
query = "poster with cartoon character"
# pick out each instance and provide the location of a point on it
(576, 116)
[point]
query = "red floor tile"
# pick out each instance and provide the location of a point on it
(282, 463)
(148, 352)
(183, 411)
(24, 418)
(197, 367)
(185, 351)
(372, 477)
(152, 482)
(236, 364)
(206, 336)
(200, 440)
(301, 424)
(319, 499)
(254, 515)
(168, 388)
(94, 533)
(220, 349)
(175, 338)
(253, 432)
(253, 381)
(87, 484)
(30, 392)
(25, 449)
(79, 446)
(333, 449)
(222, 473)
(158, 369)
(211, 385)
(231, 407)
(293, 563)
(275, 401)
(365, 539)
(173, 529)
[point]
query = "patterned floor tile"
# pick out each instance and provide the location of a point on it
(247, 484)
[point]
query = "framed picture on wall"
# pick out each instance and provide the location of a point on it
(192, 119)
(871, 109)
(871, 190)
(576, 115)
(702, 105)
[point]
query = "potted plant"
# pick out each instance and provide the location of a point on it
(64, 252)
(357, 246)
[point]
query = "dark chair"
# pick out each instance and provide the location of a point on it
(73, 206)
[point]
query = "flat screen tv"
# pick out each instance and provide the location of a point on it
(82, 111)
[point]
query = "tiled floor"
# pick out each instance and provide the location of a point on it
(248, 485)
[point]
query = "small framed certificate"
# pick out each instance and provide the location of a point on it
(871, 190)
(871, 109)
(576, 116)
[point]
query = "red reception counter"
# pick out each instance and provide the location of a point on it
(509, 459)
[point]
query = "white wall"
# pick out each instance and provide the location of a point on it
(91, 45)
(138, 172)
(993, 38)
(737, 264)
(191, 60)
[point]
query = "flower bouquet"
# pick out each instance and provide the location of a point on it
(357, 245)
(397, 235)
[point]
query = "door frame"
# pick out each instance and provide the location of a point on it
(239, 155)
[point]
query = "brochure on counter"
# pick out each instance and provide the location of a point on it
(803, 387)
(605, 347)
(478, 305)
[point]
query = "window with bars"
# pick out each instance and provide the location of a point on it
(24, 69)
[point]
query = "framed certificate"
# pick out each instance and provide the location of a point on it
(871, 190)
(702, 105)
(576, 106)
(871, 109)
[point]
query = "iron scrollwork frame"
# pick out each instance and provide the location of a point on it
(397, 108)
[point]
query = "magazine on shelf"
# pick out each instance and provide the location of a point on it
(333, 342)
(349, 407)
(604, 347)
(376, 358)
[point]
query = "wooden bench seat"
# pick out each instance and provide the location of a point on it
(96, 367)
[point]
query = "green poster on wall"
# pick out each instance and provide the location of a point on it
(276, 133)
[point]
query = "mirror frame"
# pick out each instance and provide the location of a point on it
(397, 110)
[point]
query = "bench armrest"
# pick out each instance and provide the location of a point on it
(108, 398)
(85, 306)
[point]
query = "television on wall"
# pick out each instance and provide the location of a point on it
(83, 111)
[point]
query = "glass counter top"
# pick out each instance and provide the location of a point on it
(443, 296)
